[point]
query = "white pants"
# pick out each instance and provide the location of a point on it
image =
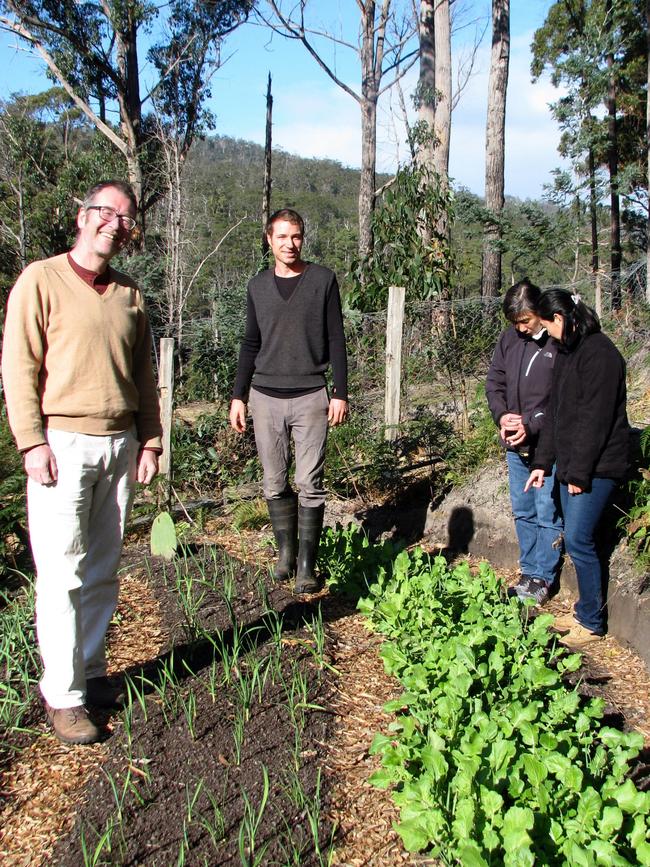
(76, 527)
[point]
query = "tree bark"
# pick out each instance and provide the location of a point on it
(442, 120)
(434, 101)
(612, 164)
(368, 174)
(128, 97)
(495, 147)
(647, 131)
(426, 90)
(268, 156)
(593, 219)
(369, 98)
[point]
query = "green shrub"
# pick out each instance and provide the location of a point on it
(209, 455)
(636, 522)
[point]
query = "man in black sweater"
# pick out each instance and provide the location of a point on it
(294, 330)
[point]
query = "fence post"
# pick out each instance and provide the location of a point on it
(166, 388)
(394, 324)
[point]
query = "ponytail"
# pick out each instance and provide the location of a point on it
(579, 320)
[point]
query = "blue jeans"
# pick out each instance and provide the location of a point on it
(538, 521)
(581, 515)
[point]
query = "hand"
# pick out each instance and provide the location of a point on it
(510, 421)
(147, 468)
(40, 465)
(514, 435)
(575, 489)
(535, 480)
(338, 411)
(238, 415)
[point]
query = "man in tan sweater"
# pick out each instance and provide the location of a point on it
(83, 408)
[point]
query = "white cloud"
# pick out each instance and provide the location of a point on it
(327, 126)
(532, 134)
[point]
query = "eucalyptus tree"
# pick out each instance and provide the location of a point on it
(495, 147)
(93, 49)
(382, 45)
(597, 50)
(433, 101)
(433, 98)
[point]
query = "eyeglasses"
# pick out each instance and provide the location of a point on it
(108, 214)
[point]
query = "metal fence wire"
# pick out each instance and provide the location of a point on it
(447, 345)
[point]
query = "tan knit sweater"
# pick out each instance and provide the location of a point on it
(75, 360)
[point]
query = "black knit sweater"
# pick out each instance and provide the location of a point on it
(289, 342)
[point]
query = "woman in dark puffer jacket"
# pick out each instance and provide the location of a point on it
(586, 434)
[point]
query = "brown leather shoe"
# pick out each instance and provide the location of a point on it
(100, 692)
(72, 725)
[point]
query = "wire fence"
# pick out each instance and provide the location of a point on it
(447, 345)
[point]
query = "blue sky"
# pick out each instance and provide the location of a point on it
(312, 117)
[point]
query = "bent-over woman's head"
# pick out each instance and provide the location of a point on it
(566, 317)
(520, 299)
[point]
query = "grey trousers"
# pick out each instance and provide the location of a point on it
(278, 420)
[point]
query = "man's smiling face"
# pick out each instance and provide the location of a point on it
(98, 237)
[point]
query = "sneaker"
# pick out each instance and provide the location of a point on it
(72, 725)
(576, 635)
(100, 692)
(530, 588)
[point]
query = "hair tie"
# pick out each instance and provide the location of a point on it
(575, 298)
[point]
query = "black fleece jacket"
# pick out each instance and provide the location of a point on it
(586, 431)
(519, 379)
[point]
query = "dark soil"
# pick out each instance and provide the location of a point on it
(174, 789)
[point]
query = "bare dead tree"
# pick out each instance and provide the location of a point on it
(495, 147)
(268, 156)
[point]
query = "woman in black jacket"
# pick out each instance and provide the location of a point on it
(517, 388)
(586, 434)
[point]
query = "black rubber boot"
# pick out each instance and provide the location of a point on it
(284, 520)
(310, 524)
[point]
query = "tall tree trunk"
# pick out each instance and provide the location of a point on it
(647, 264)
(128, 98)
(434, 100)
(268, 156)
(426, 89)
(442, 121)
(369, 97)
(495, 147)
(368, 173)
(593, 219)
(612, 163)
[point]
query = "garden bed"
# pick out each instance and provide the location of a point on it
(176, 783)
(217, 760)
